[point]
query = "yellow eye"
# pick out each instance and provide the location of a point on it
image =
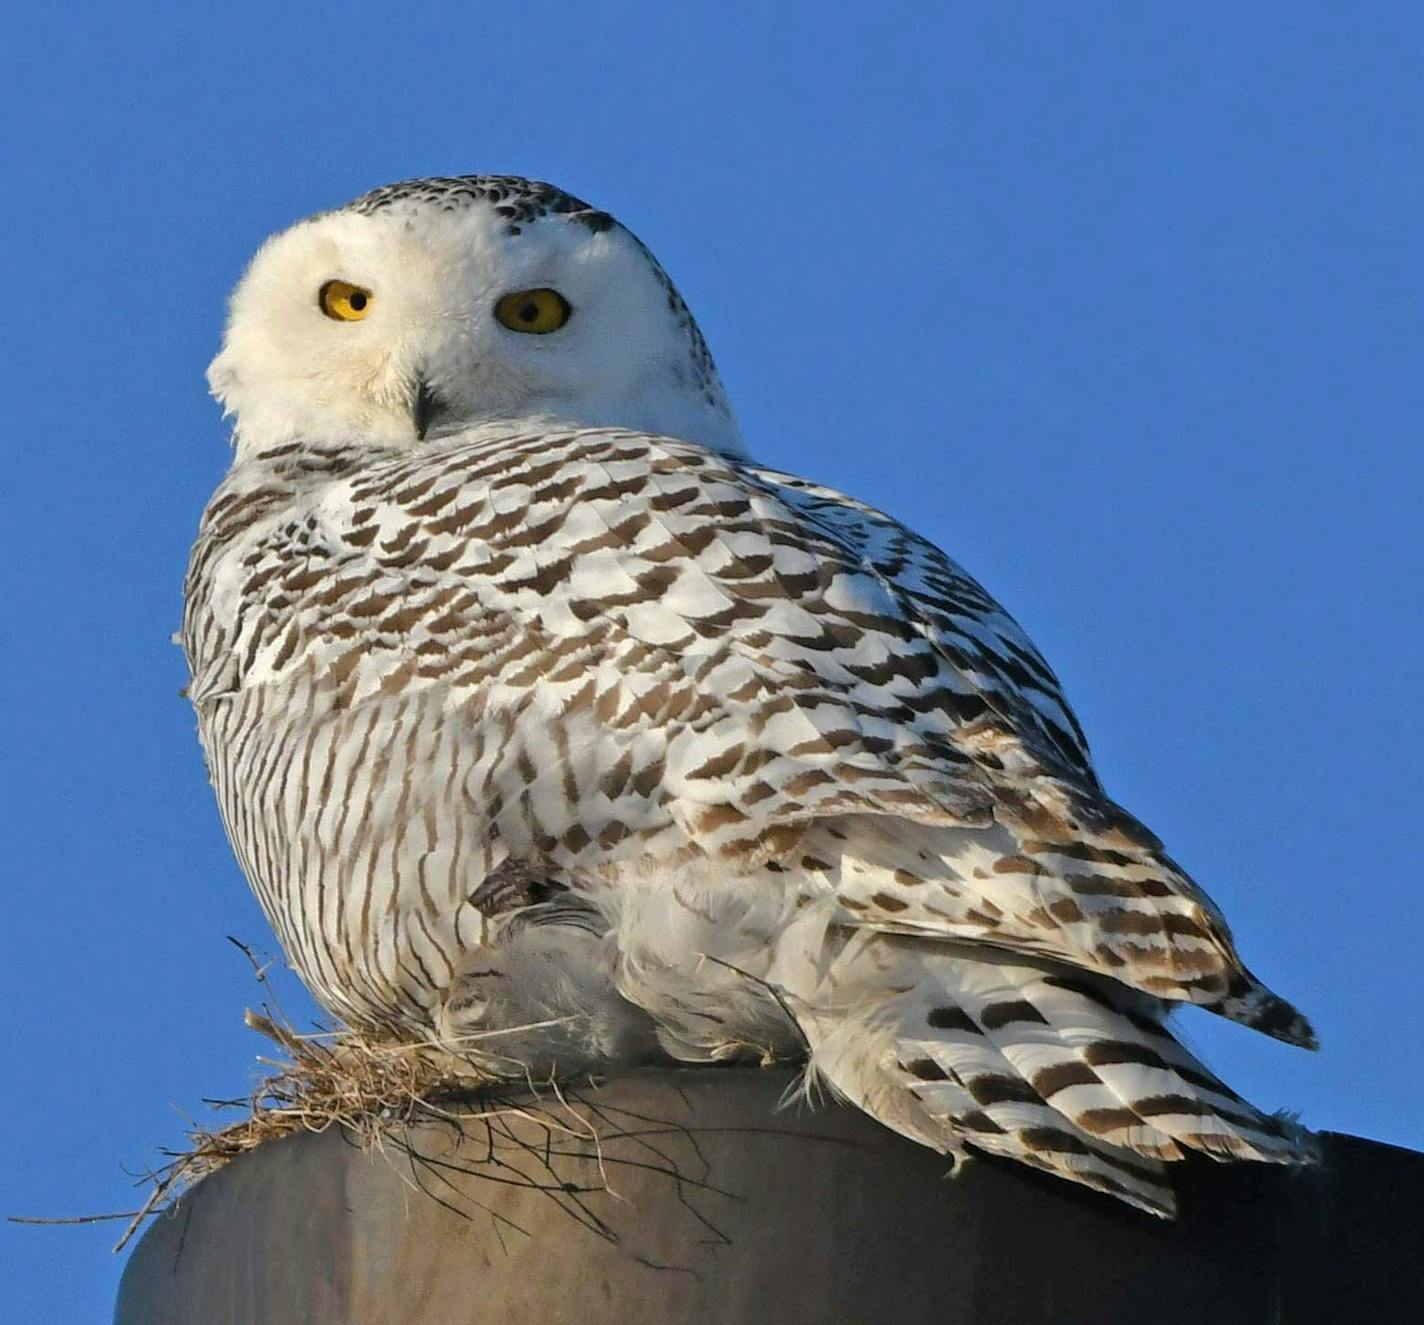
(345, 302)
(536, 311)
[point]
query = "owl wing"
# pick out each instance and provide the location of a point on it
(979, 641)
(667, 650)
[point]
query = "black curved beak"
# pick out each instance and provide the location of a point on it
(425, 408)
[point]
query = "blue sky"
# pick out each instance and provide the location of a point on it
(1122, 308)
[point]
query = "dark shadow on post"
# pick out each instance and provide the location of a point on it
(684, 1197)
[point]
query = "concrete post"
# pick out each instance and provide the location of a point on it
(700, 1204)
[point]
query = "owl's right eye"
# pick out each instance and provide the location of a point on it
(343, 302)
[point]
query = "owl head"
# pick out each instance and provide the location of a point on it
(430, 307)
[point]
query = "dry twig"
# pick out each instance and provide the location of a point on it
(377, 1090)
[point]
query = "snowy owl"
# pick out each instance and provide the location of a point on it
(534, 705)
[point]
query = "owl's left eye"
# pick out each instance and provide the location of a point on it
(344, 302)
(535, 311)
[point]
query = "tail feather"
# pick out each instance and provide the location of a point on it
(1163, 1101)
(965, 1048)
(1108, 901)
(1252, 1004)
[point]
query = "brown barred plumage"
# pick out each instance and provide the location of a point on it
(628, 737)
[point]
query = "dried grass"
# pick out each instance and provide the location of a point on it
(324, 1080)
(382, 1093)
(372, 1089)
(542, 1135)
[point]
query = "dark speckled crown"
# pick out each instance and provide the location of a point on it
(511, 196)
